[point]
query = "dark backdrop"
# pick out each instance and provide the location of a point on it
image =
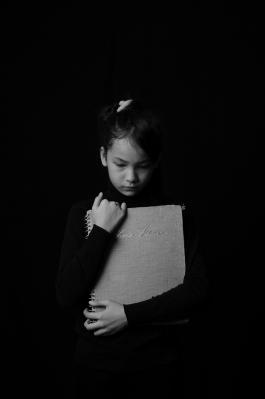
(204, 69)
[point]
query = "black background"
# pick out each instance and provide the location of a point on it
(203, 67)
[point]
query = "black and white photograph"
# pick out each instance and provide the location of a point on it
(131, 139)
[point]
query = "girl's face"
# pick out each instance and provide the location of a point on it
(129, 167)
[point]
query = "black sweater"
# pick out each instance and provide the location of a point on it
(140, 344)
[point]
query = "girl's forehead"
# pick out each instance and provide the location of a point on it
(127, 148)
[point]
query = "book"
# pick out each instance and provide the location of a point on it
(146, 258)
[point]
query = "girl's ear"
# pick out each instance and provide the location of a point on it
(103, 156)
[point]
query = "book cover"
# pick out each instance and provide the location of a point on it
(147, 257)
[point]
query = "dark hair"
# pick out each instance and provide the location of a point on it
(131, 119)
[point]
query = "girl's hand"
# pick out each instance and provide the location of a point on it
(108, 321)
(107, 214)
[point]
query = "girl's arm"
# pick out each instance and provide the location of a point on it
(80, 258)
(176, 304)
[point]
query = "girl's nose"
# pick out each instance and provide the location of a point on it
(131, 176)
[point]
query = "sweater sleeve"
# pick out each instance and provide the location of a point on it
(80, 258)
(180, 302)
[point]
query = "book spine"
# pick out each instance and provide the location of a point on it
(88, 228)
(88, 223)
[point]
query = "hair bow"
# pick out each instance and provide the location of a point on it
(124, 104)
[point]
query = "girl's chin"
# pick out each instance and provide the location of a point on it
(129, 193)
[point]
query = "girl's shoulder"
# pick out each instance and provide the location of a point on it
(79, 208)
(171, 200)
(190, 223)
(82, 204)
(77, 217)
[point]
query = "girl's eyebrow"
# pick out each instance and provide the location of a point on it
(124, 161)
(119, 159)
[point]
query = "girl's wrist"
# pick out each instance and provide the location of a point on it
(102, 228)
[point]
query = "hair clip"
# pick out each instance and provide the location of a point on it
(124, 104)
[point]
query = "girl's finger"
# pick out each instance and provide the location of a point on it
(97, 200)
(91, 315)
(123, 206)
(92, 326)
(99, 303)
(101, 331)
(86, 312)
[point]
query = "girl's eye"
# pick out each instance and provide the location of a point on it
(142, 166)
(145, 166)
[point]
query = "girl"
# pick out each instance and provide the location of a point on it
(120, 353)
